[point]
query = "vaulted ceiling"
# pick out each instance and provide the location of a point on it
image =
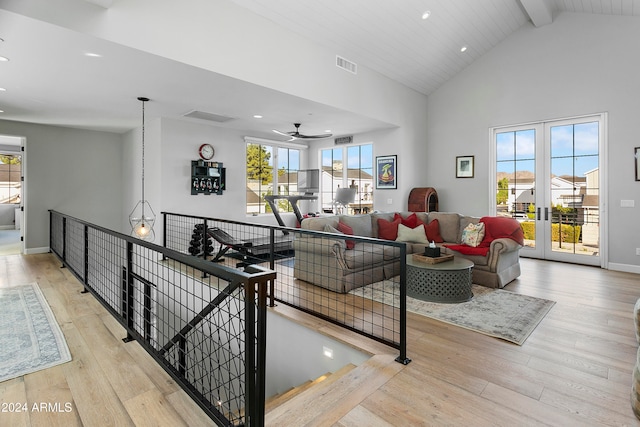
(46, 81)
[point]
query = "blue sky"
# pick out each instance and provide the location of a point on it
(574, 149)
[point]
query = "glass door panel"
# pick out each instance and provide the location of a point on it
(516, 179)
(574, 189)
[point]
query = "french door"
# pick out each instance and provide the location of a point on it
(548, 176)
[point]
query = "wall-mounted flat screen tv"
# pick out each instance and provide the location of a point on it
(309, 181)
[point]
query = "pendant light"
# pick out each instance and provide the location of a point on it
(142, 216)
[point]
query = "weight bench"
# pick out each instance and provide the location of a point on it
(227, 242)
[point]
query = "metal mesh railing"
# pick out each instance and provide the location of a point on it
(202, 322)
(355, 282)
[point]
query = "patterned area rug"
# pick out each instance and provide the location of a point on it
(494, 312)
(30, 338)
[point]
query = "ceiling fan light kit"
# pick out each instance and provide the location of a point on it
(297, 135)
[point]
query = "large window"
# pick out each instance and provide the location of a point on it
(270, 170)
(10, 178)
(345, 167)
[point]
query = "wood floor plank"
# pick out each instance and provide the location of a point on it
(152, 409)
(189, 410)
(50, 400)
(360, 416)
(14, 409)
(111, 355)
(97, 403)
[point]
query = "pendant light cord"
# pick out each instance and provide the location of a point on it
(143, 199)
(143, 100)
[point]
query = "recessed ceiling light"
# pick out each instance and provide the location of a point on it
(426, 15)
(1, 111)
(4, 59)
(2, 89)
(463, 49)
(327, 131)
(257, 116)
(93, 55)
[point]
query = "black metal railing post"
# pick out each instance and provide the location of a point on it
(128, 294)
(251, 396)
(261, 353)
(64, 239)
(164, 233)
(402, 358)
(86, 256)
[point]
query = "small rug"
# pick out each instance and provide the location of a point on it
(30, 338)
(494, 312)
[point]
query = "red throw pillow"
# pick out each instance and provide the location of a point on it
(411, 221)
(433, 231)
(344, 228)
(388, 230)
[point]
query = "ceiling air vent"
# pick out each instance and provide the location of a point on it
(345, 64)
(195, 114)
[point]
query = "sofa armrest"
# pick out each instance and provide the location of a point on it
(503, 249)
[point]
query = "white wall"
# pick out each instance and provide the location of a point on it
(180, 142)
(77, 172)
(580, 64)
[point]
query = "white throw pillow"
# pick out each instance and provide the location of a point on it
(413, 235)
(473, 234)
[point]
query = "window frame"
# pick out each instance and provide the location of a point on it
(365, 195)
(275, 146)
(13, 186)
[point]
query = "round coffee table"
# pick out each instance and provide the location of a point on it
(448, 281)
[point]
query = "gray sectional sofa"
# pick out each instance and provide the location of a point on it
(327, 262)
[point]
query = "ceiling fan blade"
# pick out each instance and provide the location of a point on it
(326, 135)
(288, 134)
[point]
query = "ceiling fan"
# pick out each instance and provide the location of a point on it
(297, 135)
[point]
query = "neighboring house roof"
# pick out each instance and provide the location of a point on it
(351, 173)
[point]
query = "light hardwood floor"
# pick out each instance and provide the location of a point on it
(575, 368)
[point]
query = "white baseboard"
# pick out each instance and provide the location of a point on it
(7, 227)
(32, 251)
(627, 268)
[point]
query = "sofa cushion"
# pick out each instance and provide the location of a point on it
(388, 230)
(345, 229)
(360, 224)
(318, 223)
(413, 235)
(449, 223)
(364, 255)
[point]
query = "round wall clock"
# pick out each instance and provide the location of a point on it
(206, 151)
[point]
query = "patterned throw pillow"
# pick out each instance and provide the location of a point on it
(473, 234)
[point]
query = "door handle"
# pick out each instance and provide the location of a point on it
(546, 214)
(538, 214)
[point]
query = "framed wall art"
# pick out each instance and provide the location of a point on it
(386, 172)
(464, 167)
